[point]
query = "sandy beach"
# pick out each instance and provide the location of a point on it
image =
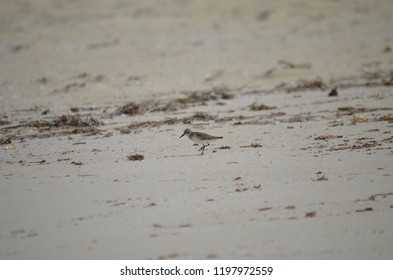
(94, 96)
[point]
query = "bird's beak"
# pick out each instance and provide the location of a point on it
(182, 135)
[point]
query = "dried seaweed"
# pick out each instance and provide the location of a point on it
(171, 121)
(204, 96)
(303, 85)
(131, 109)
(252, 145)
(4, 122)
(291, 65)
(261, 107)
(303, 117)
(264, 209)
(388, 118)
(311, 214)
(192, 98)
(367, 209)
(365, 145)
(379, 195)
(5, 140)
(62, 125)
(224, 147)
(328, 137)
(361, 143)
(196, 97)
(348, 111)
(376, 79)
(320, 176)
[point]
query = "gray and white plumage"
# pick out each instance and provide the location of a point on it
(200, 137)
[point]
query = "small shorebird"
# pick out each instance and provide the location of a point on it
(200, 137)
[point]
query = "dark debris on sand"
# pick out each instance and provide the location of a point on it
(261, 107)
(252, 145)
(5, 141)
(135, 157)
(61, 125)
(131, 109)
(172, 121)
(72, 124)
(192, 98)
(4, 122)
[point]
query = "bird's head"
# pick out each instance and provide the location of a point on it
(186, 132)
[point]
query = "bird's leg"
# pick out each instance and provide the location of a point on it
(203, 147)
